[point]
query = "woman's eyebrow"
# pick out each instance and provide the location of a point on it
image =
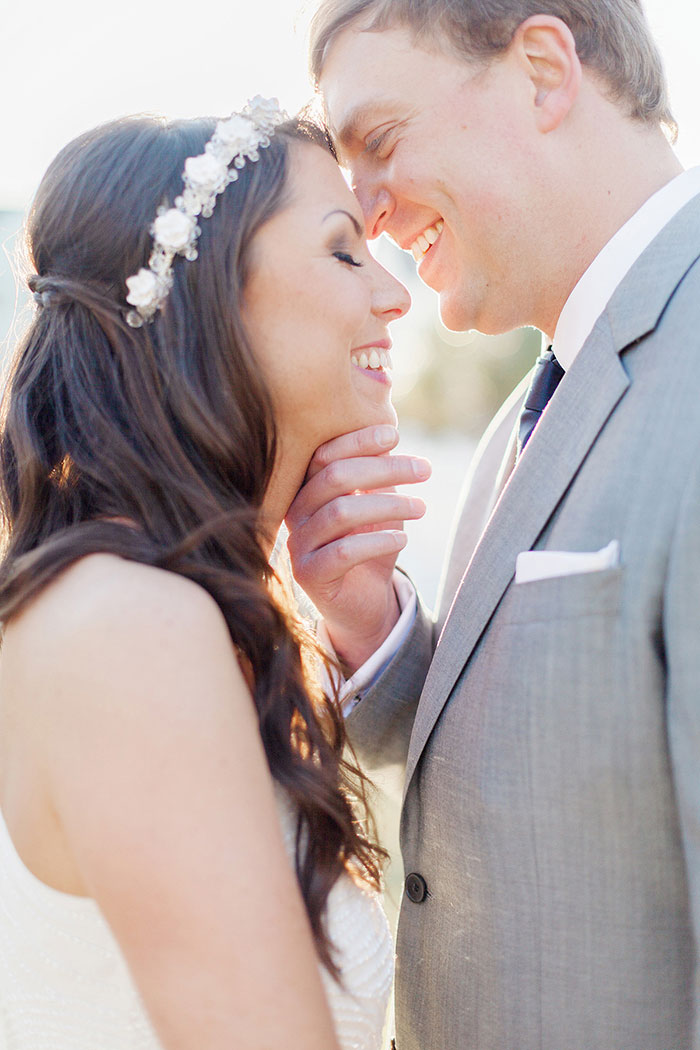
(353, 220)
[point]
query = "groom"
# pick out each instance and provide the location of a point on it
(550, 721)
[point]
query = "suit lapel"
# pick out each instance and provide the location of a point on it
(569, 426)
(495, 455)
(507, 464)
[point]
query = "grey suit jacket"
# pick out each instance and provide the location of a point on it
(552, 798)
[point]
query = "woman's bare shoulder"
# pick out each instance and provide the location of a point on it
(106, 611)
(103, 590)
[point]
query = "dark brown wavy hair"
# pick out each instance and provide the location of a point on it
(170, 428)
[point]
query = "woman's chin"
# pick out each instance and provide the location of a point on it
(391, 416)
(383, 412)
(369, 416)
(372, 419)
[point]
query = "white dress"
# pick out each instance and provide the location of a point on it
(65, 986)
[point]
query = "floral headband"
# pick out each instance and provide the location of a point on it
(175, 230)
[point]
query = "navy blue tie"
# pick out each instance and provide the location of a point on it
(545, 380)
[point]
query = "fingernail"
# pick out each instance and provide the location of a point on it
(417, 506)
(400, 538)
(385, 436)
(422, 469)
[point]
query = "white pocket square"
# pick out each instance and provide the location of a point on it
(543, 565)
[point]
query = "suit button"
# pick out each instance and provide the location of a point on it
(416, 887)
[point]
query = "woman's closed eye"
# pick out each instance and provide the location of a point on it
(345, 257)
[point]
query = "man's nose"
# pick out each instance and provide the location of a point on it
(377, 205)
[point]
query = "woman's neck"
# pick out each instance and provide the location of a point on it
(287, 478)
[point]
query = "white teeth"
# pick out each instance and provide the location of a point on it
(426, 239)
(376, 359)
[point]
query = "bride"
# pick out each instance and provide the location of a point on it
(180, 863)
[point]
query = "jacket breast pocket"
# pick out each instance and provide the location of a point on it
(560, 598)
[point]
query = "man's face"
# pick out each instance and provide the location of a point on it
(441, 150)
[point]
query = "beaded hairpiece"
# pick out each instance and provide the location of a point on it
(175, 230)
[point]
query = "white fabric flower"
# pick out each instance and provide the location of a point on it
(205, 171)
(143, 288)
(205, 176)
(173, 229)
(238, 133)
(265, 110)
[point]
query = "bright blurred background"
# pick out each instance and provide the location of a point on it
(67, 67)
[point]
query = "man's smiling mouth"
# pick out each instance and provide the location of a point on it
(425, 240)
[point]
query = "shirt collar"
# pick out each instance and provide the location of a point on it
(595, 288)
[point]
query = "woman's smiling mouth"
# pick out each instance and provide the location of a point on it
(374, 361)
(372, 357)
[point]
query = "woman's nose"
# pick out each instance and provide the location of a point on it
(391, 298)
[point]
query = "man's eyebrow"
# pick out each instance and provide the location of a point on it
(357, 119)
(353, 220)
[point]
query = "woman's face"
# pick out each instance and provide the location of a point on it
(317, 307)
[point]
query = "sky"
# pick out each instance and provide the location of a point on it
(67, 66)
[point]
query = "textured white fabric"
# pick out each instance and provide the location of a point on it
(65, 986)
(359, 929)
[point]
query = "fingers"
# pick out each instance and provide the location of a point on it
(354, 513)
(343, 477)
(331, 563)
(348, 514)
(370, 441)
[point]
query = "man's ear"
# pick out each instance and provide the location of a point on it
(546, 48)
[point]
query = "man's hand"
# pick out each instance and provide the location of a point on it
(345, 533)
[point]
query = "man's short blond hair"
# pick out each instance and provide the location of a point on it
(612, 38)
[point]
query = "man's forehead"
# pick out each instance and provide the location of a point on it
(369, 75)
(359, 84)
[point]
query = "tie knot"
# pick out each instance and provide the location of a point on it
(545, 380)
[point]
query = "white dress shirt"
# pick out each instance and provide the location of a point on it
(380, 659)
(582, 309)
(597, 285)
